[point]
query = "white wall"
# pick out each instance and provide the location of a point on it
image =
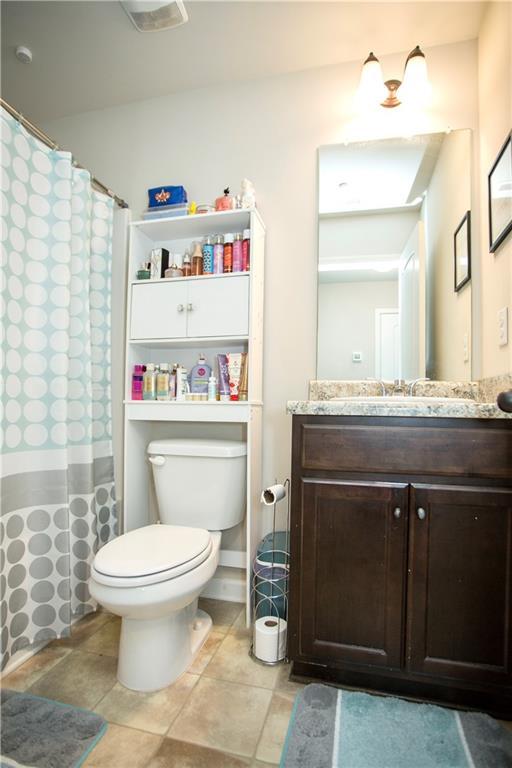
(495, 114)
(268, 130)
(449, 315)
(346, 324)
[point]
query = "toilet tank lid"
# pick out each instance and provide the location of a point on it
(198, 447)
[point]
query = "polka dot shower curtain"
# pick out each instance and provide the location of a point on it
(56, 474)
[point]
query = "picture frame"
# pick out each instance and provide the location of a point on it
(500, 196)
(462, 252)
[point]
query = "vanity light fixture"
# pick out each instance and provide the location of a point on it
(414, 88)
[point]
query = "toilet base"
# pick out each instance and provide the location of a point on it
(153, 653)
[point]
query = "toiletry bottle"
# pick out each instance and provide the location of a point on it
(181, 383)
(144, 272)
(187, 265)
(218, 255)
(228, 252)
(246, 251)
(197, 260)
(208, 255)
(137, 382)
(149, 387)
(234, 371)
(237, 252)
(199, 376)
(226, 202)
(212, 389)
(223, 391)
(174, 270)
(162, 382)
(172, 382)
(243, 392)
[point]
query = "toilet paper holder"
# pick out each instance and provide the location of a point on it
(269, 585)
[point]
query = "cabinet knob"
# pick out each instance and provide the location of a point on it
(421, 513)
(180, 307)
(190, 306)
(397, 513)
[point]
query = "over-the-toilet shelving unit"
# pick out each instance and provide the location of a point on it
(173, 320)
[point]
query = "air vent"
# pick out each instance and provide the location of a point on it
(154, 16)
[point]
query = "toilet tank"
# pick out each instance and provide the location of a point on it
(200, 483)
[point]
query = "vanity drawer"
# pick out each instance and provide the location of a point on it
(416, 450)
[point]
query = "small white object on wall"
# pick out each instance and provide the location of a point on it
(503, 327)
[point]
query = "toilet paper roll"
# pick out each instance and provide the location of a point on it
(270, 638)
(273, 494)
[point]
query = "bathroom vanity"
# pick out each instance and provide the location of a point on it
(401, 550)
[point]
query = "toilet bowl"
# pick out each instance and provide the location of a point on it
(152, 576)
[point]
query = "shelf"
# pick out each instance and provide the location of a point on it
(196, 226)
(159, 280)
(188, 410)
(206, 342)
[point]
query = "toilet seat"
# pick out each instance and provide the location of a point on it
(150, 555)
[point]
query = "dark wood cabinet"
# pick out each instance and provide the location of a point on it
(401, 579)
(460, 584)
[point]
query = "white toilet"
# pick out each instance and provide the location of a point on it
(152, 576)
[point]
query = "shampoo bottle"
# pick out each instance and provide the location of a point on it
(199, 376)
(162, 383)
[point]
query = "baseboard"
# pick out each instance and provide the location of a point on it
(224, 588)
(20, 657)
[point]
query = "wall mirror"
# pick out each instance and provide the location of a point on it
(393, 243)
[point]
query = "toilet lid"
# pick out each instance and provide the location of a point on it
(150, 550)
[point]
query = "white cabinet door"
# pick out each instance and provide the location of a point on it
(218, 307)
(159, 311)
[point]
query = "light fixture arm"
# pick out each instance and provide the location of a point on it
(392, 99)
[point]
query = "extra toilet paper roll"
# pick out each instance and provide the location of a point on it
(270, 638)
(273, 494)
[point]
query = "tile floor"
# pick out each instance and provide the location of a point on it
(227, 711)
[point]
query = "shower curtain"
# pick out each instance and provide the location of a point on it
(57, 481)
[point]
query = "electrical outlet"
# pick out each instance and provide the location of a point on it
(465, 347)
(357, 357)
(503, 327)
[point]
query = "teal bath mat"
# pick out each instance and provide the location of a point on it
(332, 728)
(39, 733)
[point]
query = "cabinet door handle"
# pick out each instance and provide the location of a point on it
(180, 307)
(397, 513)
(190, 306)
(421, 513)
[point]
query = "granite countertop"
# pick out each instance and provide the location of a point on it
(358, 407)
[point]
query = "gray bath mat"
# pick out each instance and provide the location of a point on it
(39, 733)
(332, 728)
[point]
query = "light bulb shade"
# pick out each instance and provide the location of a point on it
(415, 88)
(371, 89)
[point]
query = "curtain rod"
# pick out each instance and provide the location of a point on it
(42, 136)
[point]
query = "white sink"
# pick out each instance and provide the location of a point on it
(403, 400)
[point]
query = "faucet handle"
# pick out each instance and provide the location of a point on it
(412, 384)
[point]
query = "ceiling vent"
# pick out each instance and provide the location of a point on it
(154, 16)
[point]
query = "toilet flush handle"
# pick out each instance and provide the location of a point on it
(158, 461)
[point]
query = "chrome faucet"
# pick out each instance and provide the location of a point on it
(379, 381)
(412, 384)
(399, 386)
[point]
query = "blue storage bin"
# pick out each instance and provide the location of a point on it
(166, 195)
(280, 542)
